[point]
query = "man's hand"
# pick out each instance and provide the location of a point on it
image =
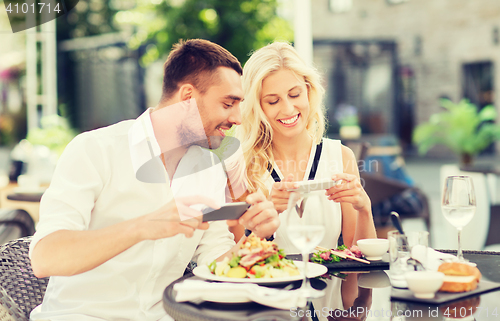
(280, 193)
(67, 252)
(261, 218)
(176, 217)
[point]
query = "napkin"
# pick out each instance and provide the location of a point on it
(434, 258)
(197, 290)
(430, 259)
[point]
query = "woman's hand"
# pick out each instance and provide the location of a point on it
(349, 191)
(280, 194)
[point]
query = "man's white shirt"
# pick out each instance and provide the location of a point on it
(95, 186)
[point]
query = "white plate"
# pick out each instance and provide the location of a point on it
(29, 191)
(313, 270)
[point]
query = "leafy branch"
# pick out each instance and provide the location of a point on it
(238, 26)
(462, 128)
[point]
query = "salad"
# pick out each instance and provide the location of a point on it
(328, 256)
(256, 258)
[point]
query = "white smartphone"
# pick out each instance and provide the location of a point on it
(230, 211)
(315, 185)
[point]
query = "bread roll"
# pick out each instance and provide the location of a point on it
(459, 277)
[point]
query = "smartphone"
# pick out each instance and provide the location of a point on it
(230, 211)
(315, 185)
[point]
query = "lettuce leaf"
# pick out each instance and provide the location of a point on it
(235, 261)
(212, 266)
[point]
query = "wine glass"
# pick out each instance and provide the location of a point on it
(459, 204)
(305, 223)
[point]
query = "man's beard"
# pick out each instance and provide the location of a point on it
(190, 136)
(187, 138)
(214, 141)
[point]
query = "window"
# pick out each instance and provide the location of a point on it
(396, 1)
(340, 6)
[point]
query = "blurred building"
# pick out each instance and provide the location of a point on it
(12, 65)
(100, 80)
(394, 59)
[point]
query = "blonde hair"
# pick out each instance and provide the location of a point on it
(255, 132)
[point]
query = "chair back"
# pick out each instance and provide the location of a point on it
(20, 290)
(15, 224)
(360, 150)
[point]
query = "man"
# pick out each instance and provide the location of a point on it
(112, 239)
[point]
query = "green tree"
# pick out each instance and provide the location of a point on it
(87, 18)
(238, 26)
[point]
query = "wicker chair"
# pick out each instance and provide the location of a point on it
(20, 290)
(15, 224)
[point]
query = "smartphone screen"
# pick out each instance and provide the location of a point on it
(231, 211)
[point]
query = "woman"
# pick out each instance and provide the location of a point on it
(282, 135)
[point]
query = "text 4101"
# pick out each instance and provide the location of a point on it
(40, 7)
(462, 312)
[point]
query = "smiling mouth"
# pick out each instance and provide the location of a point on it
(222, 131)
(289, 121)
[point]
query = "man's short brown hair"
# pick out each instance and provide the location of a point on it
(194, 61)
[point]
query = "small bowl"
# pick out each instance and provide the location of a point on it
(373, 249)
(424, 284)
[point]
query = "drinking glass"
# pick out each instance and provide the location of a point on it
(459, 204)
(406, 253)
(399, 254)
(305, 222)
